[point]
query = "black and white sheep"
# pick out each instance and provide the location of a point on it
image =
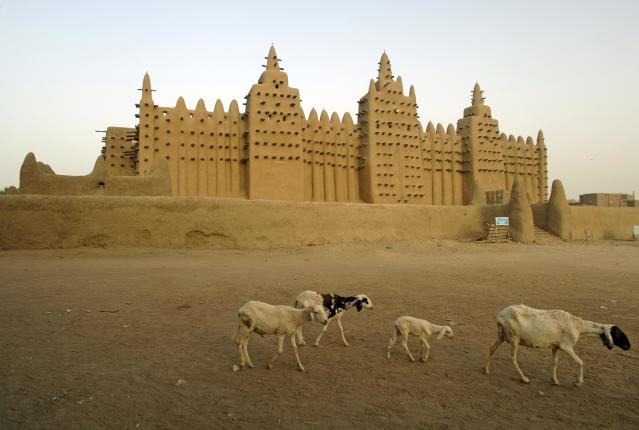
(280, 320)
(554, 329)
(335, 306)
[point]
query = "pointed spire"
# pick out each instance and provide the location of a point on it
(540, 140)
(218, 110)
(347, 120)
(146, 82)
(371, 87)
(312, 116)
(147, 97)
(272, 62)
(385, 72)
(400, 84)
(180, 104)
(430, 128)
(411, 93)
(478, 98)
(234, 108)
(530, 142)
(451, 129)
(336, 124)
(324, 116)
(200, 107)
(440, 129)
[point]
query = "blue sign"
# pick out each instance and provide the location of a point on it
(501, 220)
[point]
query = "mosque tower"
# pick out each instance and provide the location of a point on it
(273, 150)
(482, 148)
(391, 151)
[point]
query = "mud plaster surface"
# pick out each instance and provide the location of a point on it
(169, 314)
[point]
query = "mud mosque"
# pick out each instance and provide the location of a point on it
(271, 168)
(273, 151)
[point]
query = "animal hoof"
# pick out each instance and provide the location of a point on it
(346, 344)
(269, 366)
(486, 371)
(525, 380)
(316, 344)
(555, 382)
(388, 355)
(301, 368)
(579, 383)
(251, 365)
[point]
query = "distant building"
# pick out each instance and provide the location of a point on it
(609, 199)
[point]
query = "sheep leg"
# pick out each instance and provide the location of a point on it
(514, 345)
(425, 346)
(341, 330)
(240, 349)
(555, 361)
(322, 333)
(580, 377)
(493, 350)
(244, 341)
(280, 350)
(405, 345)
(238, 343)
(297, 356)
(300, 337)
(391, 341)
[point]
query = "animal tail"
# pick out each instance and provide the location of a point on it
(501, 333)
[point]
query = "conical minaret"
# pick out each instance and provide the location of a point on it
(146, 127)
(478, 96)
(385, 73)
(272, 62)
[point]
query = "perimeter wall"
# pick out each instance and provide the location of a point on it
(37, 222)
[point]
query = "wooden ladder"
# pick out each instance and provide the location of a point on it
(497, 233)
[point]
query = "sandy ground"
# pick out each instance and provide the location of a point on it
(141, 339)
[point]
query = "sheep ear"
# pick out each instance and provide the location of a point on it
(441, 333)
(311, 316)
(359, 305)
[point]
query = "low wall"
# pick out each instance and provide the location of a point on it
(29, 221)
(608, 223)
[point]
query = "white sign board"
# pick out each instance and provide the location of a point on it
(635, 231)
(501, 220)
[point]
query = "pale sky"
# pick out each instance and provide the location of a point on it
(569, 68)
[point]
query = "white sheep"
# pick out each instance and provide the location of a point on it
(334, 305)
(280, 320)
(554, 329)
(423, 329)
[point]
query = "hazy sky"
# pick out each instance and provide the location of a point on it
(569, 68)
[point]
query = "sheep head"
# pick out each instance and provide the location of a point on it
(317, 313)
(445, 331)
(363, 302)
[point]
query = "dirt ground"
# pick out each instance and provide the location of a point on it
(141, 339)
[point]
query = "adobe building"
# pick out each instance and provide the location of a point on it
(609, 199)
(274, 151)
